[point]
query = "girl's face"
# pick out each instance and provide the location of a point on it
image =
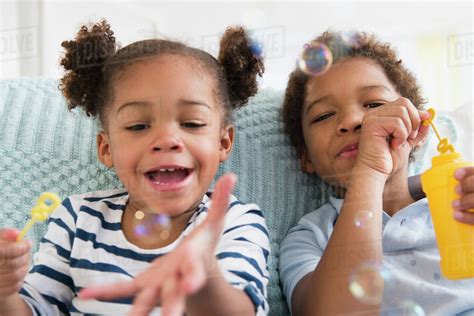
(164, 136)
(335, 105)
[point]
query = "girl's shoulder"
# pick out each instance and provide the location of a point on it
(236, 207)
(101, 196)
(95, 201)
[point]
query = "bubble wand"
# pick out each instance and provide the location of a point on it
(46, 203)
(443, 146)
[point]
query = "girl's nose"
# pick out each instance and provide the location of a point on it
(167, 141)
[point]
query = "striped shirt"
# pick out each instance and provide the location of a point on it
(85, 246)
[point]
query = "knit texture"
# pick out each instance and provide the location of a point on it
(45, 147)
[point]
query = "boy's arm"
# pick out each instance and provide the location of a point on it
(326, 290)
(415, 188)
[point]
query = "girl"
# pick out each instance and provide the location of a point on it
(355, 126)
(165, 109)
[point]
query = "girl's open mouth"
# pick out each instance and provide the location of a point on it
(168, 176)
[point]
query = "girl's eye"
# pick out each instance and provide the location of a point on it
(373, 105)
(322, 117)
(137, 127)
(193, 125)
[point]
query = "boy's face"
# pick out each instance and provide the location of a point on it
(164, 136)
(335, 105)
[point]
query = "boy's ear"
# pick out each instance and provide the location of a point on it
(225, 143)
(104, 152)
(306, 163)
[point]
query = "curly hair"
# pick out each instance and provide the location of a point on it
(367, 46)
(92, 62)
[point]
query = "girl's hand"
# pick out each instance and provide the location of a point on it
(14, 262)
(388, 135)
(465, 189)
(182, 272)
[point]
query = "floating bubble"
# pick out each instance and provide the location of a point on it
(410, 308)
(315, 59)
(361, 218)
(353, 39)
(152, 225)
(446, 128)
(366, 283)
(256, 47)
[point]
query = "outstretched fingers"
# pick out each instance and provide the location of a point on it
(220, 202)
(174, 299)
(145, 301)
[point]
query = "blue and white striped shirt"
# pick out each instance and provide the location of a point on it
(85, 246)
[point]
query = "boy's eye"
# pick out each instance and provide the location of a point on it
(373, 105)
(137, 127)
(193, 125)
(322, 117)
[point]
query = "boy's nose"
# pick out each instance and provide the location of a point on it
(350, 122)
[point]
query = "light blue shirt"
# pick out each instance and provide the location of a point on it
(410, 256)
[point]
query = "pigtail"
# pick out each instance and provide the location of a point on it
(241, 65)
(84, 60)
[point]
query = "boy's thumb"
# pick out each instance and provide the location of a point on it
(9, 234)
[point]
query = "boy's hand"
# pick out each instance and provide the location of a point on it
(465, 189)
(14, 262)
(388, 135)
(182, 272)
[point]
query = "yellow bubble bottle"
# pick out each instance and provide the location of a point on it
(455, 240)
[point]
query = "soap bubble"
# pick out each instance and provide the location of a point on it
(410, 308)
(256, 47)
(446, 128)
(366, 283)
(361, 218)
(152, 225)
(353, 39)
(315, 59)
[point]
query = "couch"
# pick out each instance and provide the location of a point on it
(45, 147)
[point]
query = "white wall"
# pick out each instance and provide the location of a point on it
(435, 39)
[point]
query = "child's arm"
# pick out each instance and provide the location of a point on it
(187, 279)
(325, 290)
(14, 264)
(466, 190)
